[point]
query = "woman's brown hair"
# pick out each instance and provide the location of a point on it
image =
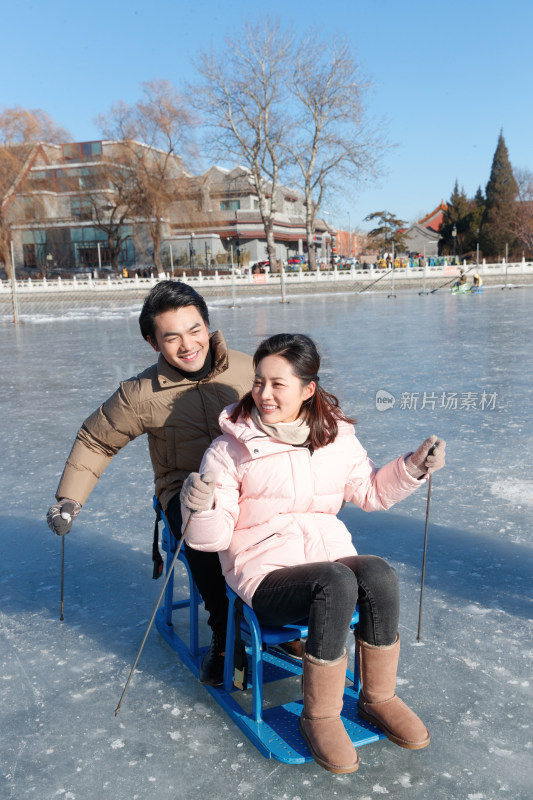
(322, 412)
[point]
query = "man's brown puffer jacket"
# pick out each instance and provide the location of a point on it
(180, 417)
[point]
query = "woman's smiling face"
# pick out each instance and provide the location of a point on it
(277, 392)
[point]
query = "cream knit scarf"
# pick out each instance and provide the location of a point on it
(295, 433)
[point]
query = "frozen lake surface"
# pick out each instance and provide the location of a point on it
(459, 367)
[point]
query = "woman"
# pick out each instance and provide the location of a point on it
(267, 498)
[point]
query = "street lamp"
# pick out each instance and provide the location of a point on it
(477, 249)
(454, 237)
(191, 251)
(207, 257)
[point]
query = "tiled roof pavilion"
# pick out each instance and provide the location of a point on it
(434, 219)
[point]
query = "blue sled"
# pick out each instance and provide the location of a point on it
(273, 730)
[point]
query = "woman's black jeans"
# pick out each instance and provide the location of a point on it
(326, 593)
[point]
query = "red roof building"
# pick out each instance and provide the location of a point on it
(433, 220)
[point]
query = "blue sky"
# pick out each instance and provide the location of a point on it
(447, 77)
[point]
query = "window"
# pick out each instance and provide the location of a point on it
(81, 208)
(85, 243)
(42, 180)
(256, 205)
(127, 253)
(230, 205)
(74, 180)
(86, 151)
(33, 247)
(91, 149)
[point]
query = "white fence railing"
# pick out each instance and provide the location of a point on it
(226, 279)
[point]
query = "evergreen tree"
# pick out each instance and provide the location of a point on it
(500, 201)
(479, 198)
(474, 222)
(455, 217)
(502, 186)
(389, 232)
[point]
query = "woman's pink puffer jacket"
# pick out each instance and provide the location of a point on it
(276, 504)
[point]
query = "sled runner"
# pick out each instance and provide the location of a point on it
(252, 664)
(466, 288)
(461, 289)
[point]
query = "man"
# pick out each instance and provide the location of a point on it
(461, 280)
(176, 402)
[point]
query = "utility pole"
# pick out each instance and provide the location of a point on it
(14, 298)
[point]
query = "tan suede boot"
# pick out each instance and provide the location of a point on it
(378, 702)
(320, 723)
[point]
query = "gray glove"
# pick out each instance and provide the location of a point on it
(198, 491)
(60, 515)
(421, 463)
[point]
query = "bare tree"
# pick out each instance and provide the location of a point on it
(21, 131)
(114, 201)
(520, 216)
(331, 141)
(152, 132)
(242, 97)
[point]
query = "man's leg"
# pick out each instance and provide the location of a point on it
(207, 574)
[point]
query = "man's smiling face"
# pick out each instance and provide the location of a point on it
(182, 337)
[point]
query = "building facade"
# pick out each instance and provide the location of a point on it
(68, 212)
(52, 216)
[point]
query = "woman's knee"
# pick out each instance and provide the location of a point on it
(376, 577)
(382, 570)
(338, 580)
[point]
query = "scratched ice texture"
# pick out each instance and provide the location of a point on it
(459, 367)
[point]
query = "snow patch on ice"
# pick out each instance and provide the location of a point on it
(470, 663)
(499, 751)
(379, 789)
(514, 491)
(405, 781)
(117, 744)
(472, 609)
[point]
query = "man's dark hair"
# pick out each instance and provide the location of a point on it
(169, 296)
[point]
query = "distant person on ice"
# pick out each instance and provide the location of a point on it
(461, 280)
(176, 402)
(267, 498)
